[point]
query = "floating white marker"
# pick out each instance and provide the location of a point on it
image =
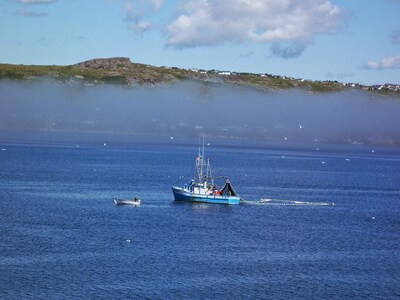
(300, 126)
(105, 144)
(323, 162)
(347, 159)
(128, 241)
(285, 138)
(171, 137)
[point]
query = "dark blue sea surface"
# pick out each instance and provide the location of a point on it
(314, 226)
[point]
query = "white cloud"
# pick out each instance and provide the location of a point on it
(29, 2)
(157, 4)
(246, 54)
(133, 18)
(291, 51)
(140, 27)
(28, 13)
(213, 22)
(395, 37)
(391, 62)
(339, 75)
(371, 65)
(388, 62)
(136, 13)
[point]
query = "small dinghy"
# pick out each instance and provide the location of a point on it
(135, 201)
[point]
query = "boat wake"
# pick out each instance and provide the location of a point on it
(280, 202)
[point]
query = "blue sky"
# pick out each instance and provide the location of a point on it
(344, 40)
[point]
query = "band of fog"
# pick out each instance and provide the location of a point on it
(188, 108)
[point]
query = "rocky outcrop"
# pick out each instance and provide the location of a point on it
(104, 63)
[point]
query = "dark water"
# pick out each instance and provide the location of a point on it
(61, 237)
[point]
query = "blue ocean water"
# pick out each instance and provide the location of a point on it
(315, 225)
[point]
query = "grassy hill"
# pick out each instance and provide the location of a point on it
(120, 70)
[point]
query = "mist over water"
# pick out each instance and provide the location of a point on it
(190, 108)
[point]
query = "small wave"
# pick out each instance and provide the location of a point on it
(280, 202)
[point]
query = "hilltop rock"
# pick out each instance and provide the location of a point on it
(104, 63)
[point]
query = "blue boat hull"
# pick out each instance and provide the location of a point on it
(185, 196)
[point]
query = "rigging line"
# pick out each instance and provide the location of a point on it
(180, 177)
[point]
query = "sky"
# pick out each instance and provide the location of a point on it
(343, 40)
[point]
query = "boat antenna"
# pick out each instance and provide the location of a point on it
(199, 162)
(203, 145)
(199, 146)
(209, 174)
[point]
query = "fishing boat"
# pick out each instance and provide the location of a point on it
(134, 201)
(202, 187)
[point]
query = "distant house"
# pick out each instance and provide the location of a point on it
(224, 73)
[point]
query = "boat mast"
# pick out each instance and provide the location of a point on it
(209, 175)
(200, 164)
